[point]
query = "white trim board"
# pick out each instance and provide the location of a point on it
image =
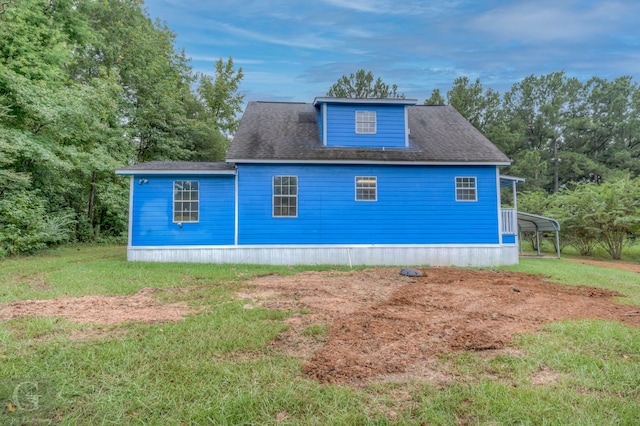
(141, 172)
(371, 162)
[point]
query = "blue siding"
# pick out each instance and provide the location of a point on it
(153, 213)
(341, 126)
(416, 205)
(509, 239)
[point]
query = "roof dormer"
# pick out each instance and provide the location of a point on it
(364, 123)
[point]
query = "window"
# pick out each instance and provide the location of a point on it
(186, 204)
(285, 196)
(366, 188)
(366, 122)
(466, 189)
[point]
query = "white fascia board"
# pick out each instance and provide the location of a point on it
(123, 172)
(367, 101)
(512, 178)
(324, 124)
(391, 163)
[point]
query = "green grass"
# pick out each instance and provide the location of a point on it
(318, 331)
(572, 273)
(630, 253)
(216, 366)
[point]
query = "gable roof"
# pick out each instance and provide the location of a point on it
(289, 132)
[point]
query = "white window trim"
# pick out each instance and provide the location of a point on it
(367, 117)
(475, 178)
(375, 188)
(173, 201)
(273, 197)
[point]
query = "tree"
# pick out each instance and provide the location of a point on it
(220, 97)
(361, 85)
(85, 88)
(605, 215)
(435, 99)
(476, 105)
(535, 109)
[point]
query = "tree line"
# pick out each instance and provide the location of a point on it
(556, 129)
(87, 87)
(576, 143)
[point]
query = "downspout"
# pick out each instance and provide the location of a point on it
(515, 217)
(498, 196)
(235, 226)
(131, 188)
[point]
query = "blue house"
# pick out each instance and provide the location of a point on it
(336, 181)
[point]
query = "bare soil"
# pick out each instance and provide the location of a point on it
(383, 324)
(617, 264)
(140, 307)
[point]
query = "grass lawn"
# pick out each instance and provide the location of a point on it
(216, 366)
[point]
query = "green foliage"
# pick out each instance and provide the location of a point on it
(85, 88)
(616, 214)
(220, 97)
(435, 99)
(591, 215)
(361, 85)
(557, 129)
(26, 225)
(479, 107)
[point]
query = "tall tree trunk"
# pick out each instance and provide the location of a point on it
(91, 197)
(555, 157)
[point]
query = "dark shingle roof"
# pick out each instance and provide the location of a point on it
(160, 166)
(290, 131)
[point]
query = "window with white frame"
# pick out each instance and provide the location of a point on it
(186, 201)
(285, 196)
(466, 189)
(366, 188)
(366, 122)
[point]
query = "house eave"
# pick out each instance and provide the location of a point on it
(125, 172)
(374, 162)
(368, 101)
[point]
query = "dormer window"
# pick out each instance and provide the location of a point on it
(366, 122)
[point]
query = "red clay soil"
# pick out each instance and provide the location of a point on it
(140, 307)
(382, 323)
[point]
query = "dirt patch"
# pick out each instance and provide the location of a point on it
(140, 307)
(384, 324)
(627, 266)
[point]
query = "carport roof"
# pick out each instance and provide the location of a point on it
(533, 223)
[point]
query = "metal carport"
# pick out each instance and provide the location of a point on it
(528, 222)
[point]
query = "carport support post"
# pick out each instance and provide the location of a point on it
(558, 243)
(537, 238)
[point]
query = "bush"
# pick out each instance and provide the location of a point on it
(25, 225)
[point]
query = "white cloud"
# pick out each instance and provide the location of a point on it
(307, 41)
(394, 7)
(547, 21)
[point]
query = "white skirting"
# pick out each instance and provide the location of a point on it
(432, 255)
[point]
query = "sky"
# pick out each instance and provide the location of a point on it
(295, 50)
